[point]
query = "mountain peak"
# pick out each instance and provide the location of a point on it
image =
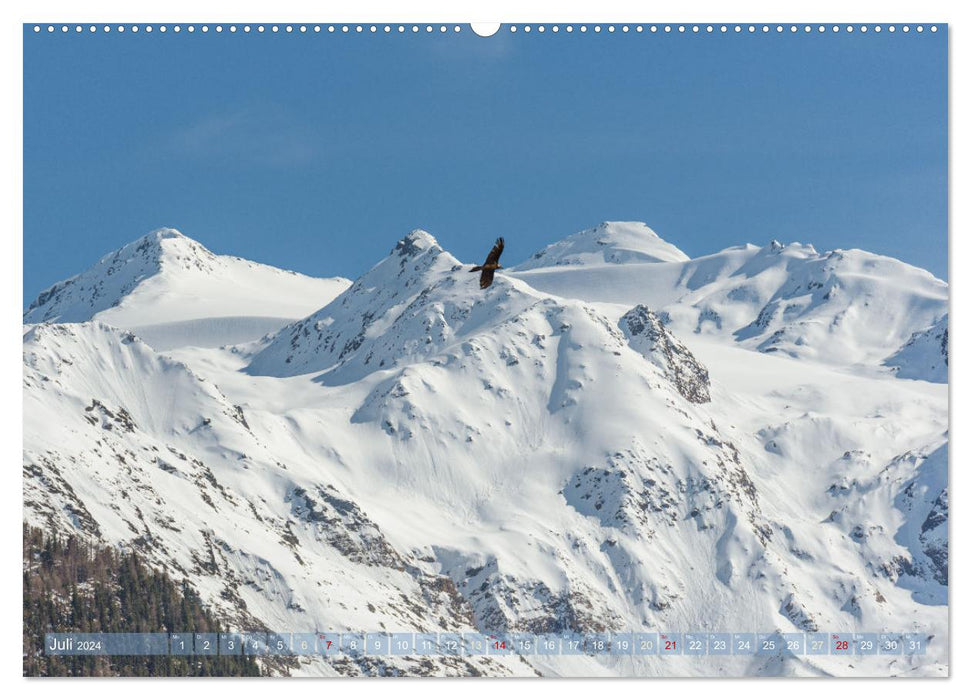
(165, 232)
(165, 276)
(611, 242)
(415, 243)
(402, 307)
(161, 244)
(776, 246)
(117, 274)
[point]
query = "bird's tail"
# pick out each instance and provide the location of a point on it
(476, 268)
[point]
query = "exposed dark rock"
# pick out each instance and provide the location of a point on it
(648, 336)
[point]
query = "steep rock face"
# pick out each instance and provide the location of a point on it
(924, 532)
(925, 355)
(933, 537)
(647, 334)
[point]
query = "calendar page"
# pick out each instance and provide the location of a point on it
(518, 350)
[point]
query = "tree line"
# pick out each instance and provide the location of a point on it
(72, 585)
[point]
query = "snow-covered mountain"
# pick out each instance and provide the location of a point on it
(925, 355)
(843, 307)
(565, 451)
(174, 291)
(612, 242)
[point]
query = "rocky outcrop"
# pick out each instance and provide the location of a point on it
(648, 336)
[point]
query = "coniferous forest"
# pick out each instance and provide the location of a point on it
(73, 586)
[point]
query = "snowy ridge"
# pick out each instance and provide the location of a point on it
(611, 242)
(849, 308)
(116, 275)
(421, 455)
(165, 279)
(410, 305)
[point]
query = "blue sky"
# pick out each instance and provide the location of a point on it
(317, 152)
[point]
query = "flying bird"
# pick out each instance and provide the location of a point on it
(491, 264)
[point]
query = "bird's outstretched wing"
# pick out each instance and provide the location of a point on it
(496, 251)
(485, 278)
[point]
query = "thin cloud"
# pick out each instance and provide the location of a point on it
(267, 137)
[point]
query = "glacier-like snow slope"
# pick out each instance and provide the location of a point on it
(612, 242)
(420, 454)
(844, 307)
(174, 291)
